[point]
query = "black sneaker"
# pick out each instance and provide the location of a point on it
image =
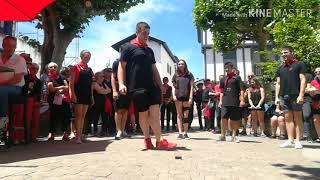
(273, 136)
(282, 137)
(185, 136)
(180, 136)
(243, 133)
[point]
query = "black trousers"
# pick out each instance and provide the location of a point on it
(165, 110)
(94, 114)
(174, 116)
(199, 112)
(59, 114)
(218, 115)
(190, 114)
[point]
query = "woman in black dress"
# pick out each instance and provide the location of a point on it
(81, 91)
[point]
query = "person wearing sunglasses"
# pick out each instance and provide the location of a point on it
(11, 83)
(58, 100)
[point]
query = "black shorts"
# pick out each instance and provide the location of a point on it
(84, 100)
(183, 99)
(231, 112)
(289, 103)
(143, 99)
(122, 102)
(245, 112)
(315, 111)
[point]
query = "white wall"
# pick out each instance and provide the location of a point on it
(210, 64)
(240, 66)
(209, 38)
(219, 65)
(156, 50)
(162, 58)
(165, 60)
(248, 61)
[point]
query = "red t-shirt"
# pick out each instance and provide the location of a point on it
(316, 102)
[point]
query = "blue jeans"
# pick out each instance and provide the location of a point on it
(5, 92)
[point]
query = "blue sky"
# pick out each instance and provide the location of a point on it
(170, 21)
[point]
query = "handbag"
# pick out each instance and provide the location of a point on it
(57, 100)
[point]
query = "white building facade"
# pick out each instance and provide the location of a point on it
(165, 60)
(244, 59)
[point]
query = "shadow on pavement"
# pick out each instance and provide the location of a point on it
(246, 141)
(202, 139)
(177, 148)
(312, 146)
(311, 173)
(50, 149)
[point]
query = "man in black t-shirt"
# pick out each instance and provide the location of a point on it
(120, 103)
(290, 86)
(137, 72)
(231, 99)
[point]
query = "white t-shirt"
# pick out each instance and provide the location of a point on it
(17, 63)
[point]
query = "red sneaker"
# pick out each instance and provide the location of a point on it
(165, 145)
(148, 144)
(65, 137)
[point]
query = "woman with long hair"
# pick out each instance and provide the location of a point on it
(256, 98)
(81, 91)
(182, 95)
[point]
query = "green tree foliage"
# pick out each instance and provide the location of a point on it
(66, 19)
(230, 23)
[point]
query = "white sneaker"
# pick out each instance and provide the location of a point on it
(235, 139)
(298, 145)
(287, 144)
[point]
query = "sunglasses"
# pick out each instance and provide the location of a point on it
(250, 76)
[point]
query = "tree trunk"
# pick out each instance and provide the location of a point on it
(262, 38)
(48, 45)
(55, 40)
(61, 42)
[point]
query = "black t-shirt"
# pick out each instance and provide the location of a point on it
(108, 83)
(32, 87)
(231, 91)
(289, 78)
(205, 95)
(309, 78)
(182, 85)
(139, 67)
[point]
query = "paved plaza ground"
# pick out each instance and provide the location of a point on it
(200, 158)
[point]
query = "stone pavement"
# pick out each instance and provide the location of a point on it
(201, 158)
